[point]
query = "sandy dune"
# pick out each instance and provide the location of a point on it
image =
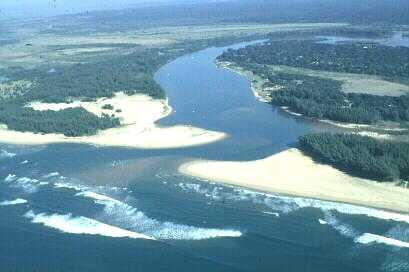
(138, 116)
(290, 172)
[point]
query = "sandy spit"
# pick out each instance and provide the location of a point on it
(292, 173)
(138, 129)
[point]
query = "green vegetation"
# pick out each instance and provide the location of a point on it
(101, 76)
(362, 156)
(70, 122)
(132, 73)
(108, 107)
(323, 99)
(358, 58)
(320, 97)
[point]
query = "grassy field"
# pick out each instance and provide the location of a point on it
(34, 47)
(352, 83)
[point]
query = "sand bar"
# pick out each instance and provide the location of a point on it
(138, 129)
(292, 173)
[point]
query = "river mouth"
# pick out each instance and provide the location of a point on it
(206, 96)
(129, 193)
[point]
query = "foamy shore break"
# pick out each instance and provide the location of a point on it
(138, 129)
(292, 173)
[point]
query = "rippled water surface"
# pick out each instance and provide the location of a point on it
(82, 208)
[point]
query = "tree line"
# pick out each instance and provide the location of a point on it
(70, 122)
(362, 156)
(358, 58)
(323, 99)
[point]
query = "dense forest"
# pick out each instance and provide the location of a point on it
(70, 122)
(132, 73)
(323, 99)
(86, 81)
(359, 58)
(361, 156)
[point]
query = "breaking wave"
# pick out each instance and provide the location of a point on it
(344, 229)
(17, 201)
(52, 174)
(5, 154)
(28, 185)
(368, 238)
(68, 185)
(286, 204)
(81, 225)
(121, 214)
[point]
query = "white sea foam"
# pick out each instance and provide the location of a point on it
(16, 201)
(28, 185)
(10, 178)
(121, 214)
(287, 204)
(72, 186)
(24, 162)
(368, 238)
(5, 154)
(81, 225)
(346, 208)
(344, 229)
(52, 174)
(272, 213)
(400, 232)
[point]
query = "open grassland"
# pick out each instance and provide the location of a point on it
(34, 47)
(352, 83)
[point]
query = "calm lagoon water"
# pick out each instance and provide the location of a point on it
(72, 203)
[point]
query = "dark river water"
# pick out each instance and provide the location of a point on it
(83, 208)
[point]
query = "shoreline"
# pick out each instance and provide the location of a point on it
(294, 174)
(256, 83)
(138, 116)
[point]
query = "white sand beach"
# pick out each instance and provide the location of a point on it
(293, 173)
(138, 129)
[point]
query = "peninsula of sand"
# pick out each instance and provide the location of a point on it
(138, 114)
(293, 173)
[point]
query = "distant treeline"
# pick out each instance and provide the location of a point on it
(246, 11)
(132, 73)
(359, 58)
(358, 155)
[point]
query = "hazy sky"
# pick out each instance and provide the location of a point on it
(40, 8)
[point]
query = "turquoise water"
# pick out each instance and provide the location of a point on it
(69, 203)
